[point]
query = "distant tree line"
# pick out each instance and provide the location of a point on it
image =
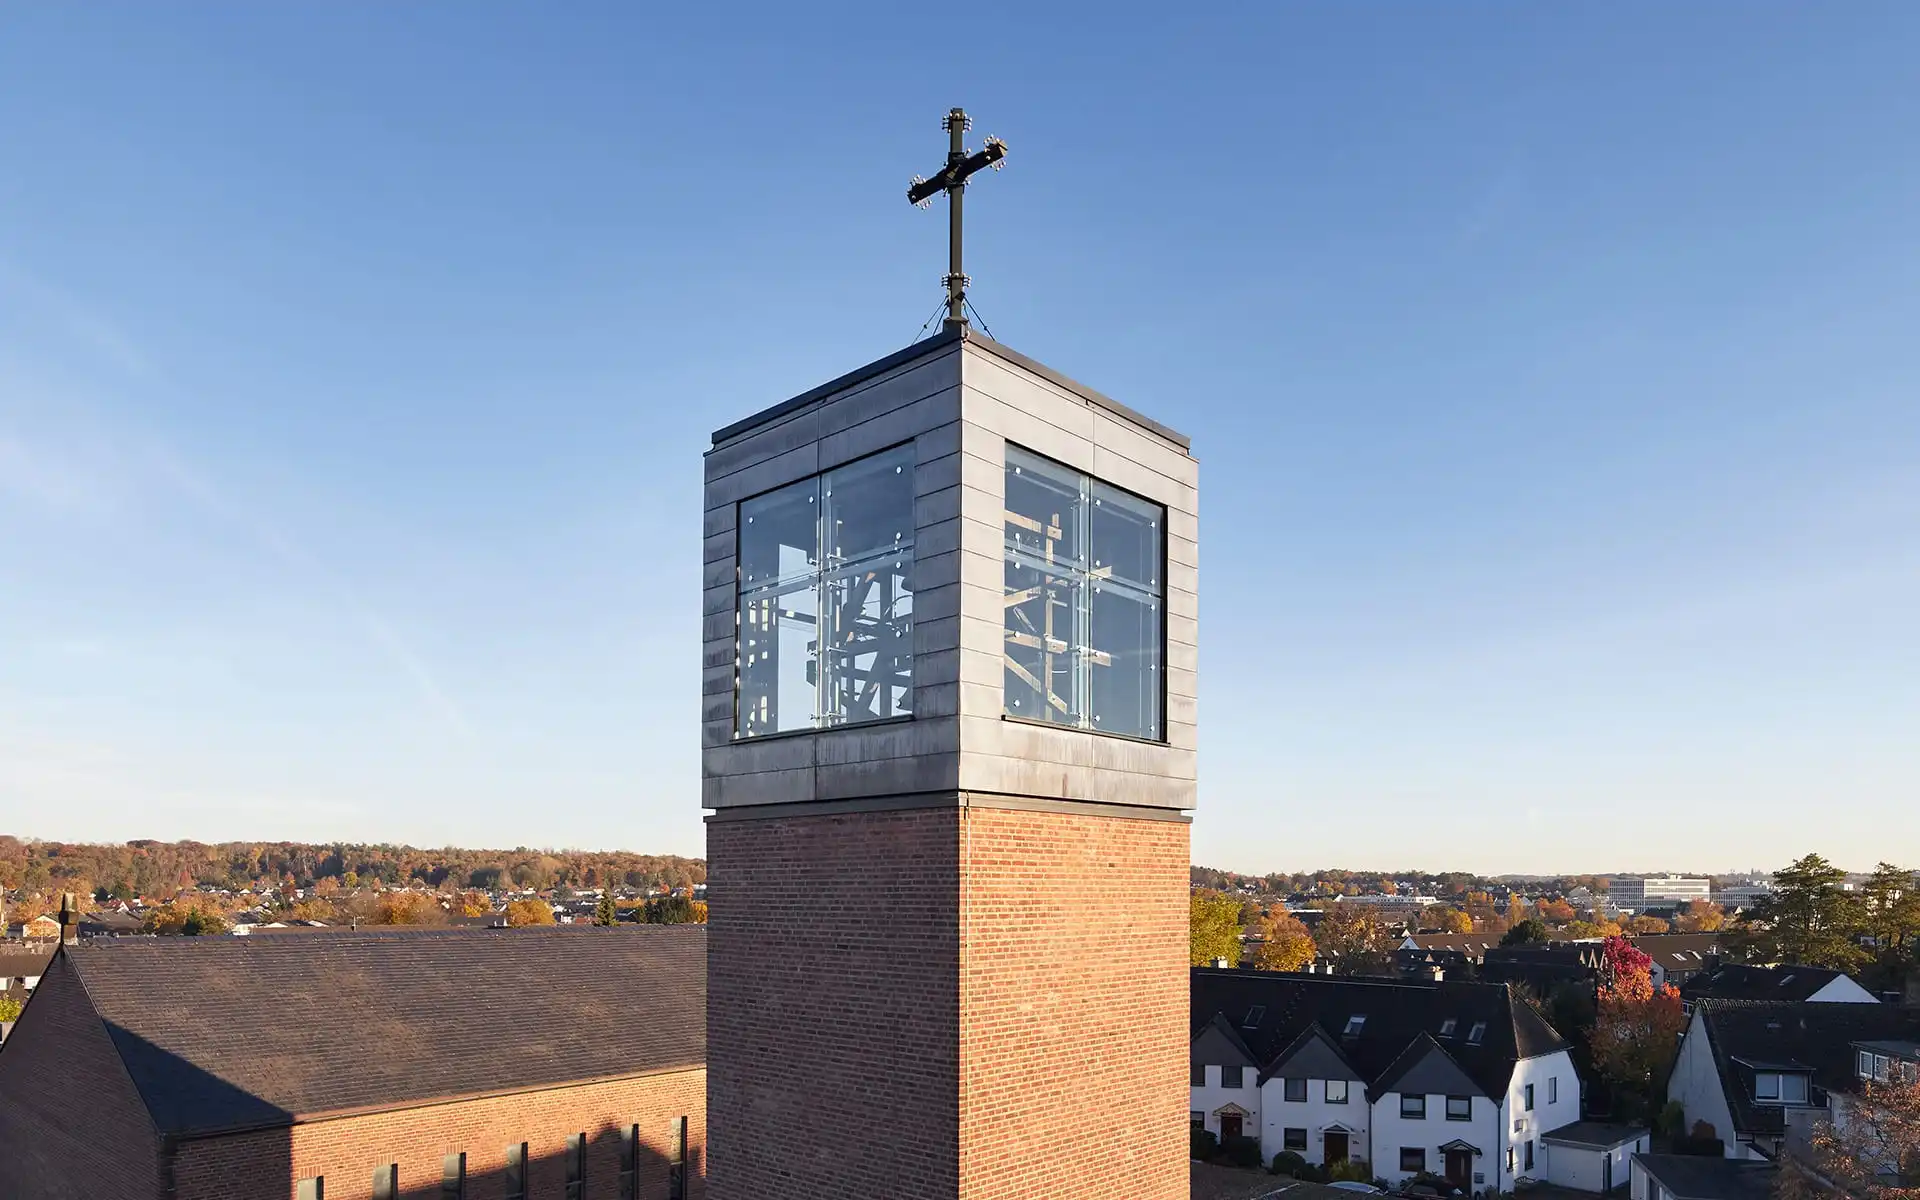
(158, 870)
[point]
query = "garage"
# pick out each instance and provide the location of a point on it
(1591, 1156)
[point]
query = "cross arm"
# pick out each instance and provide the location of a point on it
(957, 170)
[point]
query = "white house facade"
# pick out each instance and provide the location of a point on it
(1450, 1079)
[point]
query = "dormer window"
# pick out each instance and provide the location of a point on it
(1254, 1016)
(1354, 1025)
(1448, 1026)
(1779, 1087)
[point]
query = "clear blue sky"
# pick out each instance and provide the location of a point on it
(1552, 369)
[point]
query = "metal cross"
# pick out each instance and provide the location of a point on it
(952, 179)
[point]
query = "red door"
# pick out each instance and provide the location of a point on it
(1335, 1147)
(1229, 1126)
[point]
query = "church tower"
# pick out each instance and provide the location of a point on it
(949, 749)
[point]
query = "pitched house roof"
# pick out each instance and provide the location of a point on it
(370, 1021)
(1399, 1016)
(1693, 1177)
(1738, 981)
(1473, 945)
(1747, 1036)
(1678, 951)
(19, 962)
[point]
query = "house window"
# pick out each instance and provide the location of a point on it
(1553, 1089)
(1863, 1064)
(1477, 1034)
(517, 1171)
(1197, 1119)
(1529, 1149)
(1294, 1139)
(386, 1182)
(1414, 1108)
(311, 1189)
(1199, 1075)
(1448, 1026)
(677, 1159)
(1509, 1160)
(1296, 1092)
(1766, 1086)
(1413, 1159)
(1083, 600)
(1230, 1076)
(630, 1163)
(1882, 1068)
(576, 1166)
(825, 617)
(1459, 1108)
(1529, 1097)
(453, 1177)
(1254, 1016)
(1354, 1025)
(1336, 1091)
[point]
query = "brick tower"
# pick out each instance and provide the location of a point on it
(948, 730)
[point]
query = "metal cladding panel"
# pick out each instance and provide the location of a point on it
(960, 400)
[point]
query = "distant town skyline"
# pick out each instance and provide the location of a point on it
(1551, 382)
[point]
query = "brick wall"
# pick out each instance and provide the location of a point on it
(345, 1151)
(1074, 1007)
(832, 1006)
(71, 1123)
(947, 1002)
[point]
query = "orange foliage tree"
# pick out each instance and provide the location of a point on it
(1287, 946)
(1637, 1031)
(529, 912)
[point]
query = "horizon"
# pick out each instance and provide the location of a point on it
(1551, 384)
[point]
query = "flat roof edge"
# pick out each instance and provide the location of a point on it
(940, 343)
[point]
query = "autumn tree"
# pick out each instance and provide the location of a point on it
(1700, 916)
(1556, 912)
(1872, 1152)
(474, 904)
(1808, 919)
(529, 912)
(1213, 928)
(10, 1007)
(1646, 924)
(408, 908)
(1636, 1030)
(1357, 939)
(1446, 919)
(1286, 945)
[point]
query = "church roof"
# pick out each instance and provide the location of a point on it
(224, 1033)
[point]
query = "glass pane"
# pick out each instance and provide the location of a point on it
(1123, 660)
(779, 535)
(869, 641)
(1044, 507)
(1041, 617)
(1125, 537)
(869, 507)
(779, 647)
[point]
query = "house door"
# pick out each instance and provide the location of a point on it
(1606, 1172)
(1336, 1147)
(1460, 1167)
(1229, 1126)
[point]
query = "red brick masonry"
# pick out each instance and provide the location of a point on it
(947, 1004)
(346, 1151)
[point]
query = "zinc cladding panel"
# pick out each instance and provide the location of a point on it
(917, 402)
(957, 738)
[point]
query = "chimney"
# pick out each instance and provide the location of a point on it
(69, 921)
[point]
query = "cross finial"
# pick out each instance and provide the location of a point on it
(952, 179)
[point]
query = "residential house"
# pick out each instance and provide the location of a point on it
(1738, 981)
(1878, 1062)
(21, 969)
(1746, 1066)
(1678, 957)
(1456, 1079)
(1473, 946)
(521, 1062)
(1543, 968)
